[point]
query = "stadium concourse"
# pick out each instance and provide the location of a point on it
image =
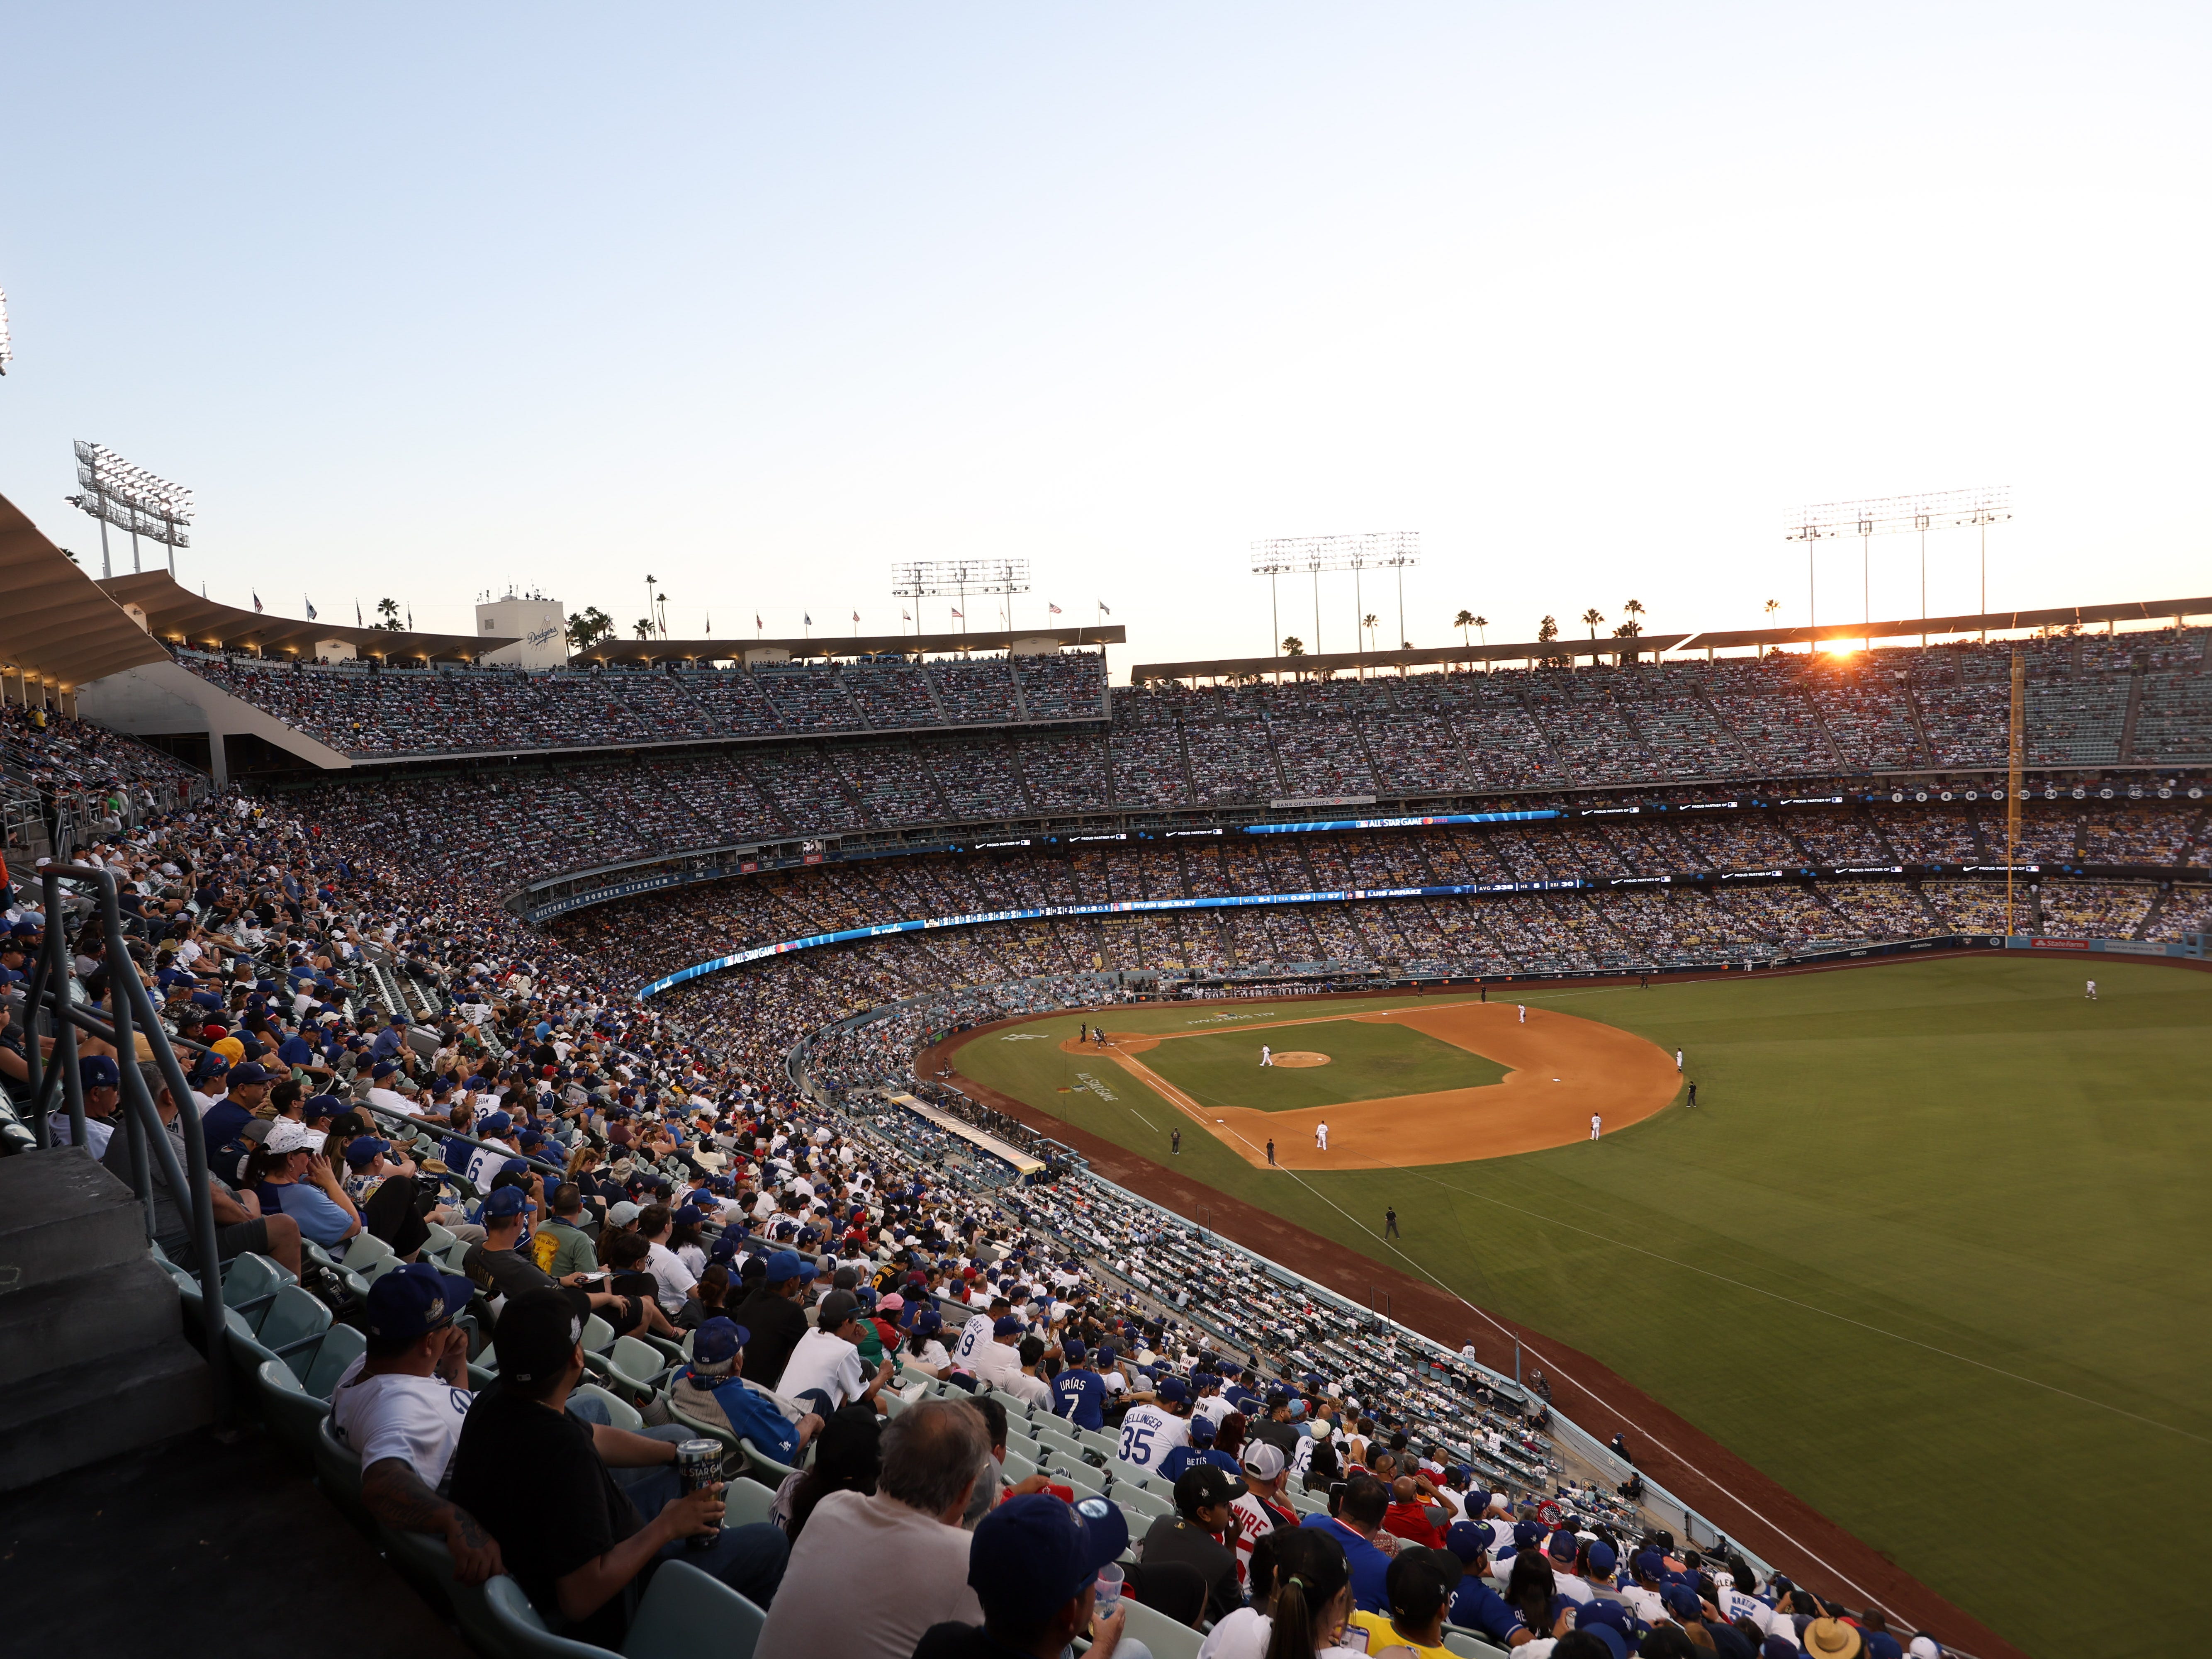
(357, 1042)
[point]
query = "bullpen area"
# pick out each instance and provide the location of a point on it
(1933, 1249)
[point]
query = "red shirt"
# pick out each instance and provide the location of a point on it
(1411, 1522)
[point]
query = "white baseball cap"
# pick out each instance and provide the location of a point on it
(288, 1135)
(1263, 1460)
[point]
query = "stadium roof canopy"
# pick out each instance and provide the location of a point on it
(828, 646)
(1997, 622)
(174, 612)
(56, 624)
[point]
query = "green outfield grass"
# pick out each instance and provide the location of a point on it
(1935, 1252)
(1366, 1062)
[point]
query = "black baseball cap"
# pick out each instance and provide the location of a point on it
(538, 1335)
(1202, 1486)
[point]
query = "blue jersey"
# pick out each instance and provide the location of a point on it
(1080, 1397)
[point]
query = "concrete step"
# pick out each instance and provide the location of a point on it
(93, 1409)
(61, 1217)
(112, 1310)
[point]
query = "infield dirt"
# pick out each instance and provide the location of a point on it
(1560, 1071)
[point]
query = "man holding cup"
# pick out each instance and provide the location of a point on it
(1038, 1567)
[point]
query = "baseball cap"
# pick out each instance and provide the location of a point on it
(1602, 1610)
(1261, 1460)
(1924, 1647)
(718, 1341)
(382, 1069)
(1171, 1387)
(414, 1300)
(1464, 1539)
(98, 1071)
(787, 1264)
(363, 1149)
(1527, 1535)
(1562, 1546)
(538, 1335)
(1202, 1431)
(1073, 1352)
(1682, 1601)
(247, 1073)
(1616, 1645)
(1601, 1558)
(1034, 1553)
(1008, 1326)
(1202, 1486)
(622, 1214)
(287, 1135)
(497, 1124)
(506, 1201)
(836, 1308)
(1107, 1354)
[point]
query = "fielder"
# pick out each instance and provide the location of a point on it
(1597, 1126)
(1320, 1137)
(1677, 1062)
(1524, 1012)
(2092, 990)
(1266, 1055)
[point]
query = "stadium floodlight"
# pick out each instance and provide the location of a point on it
(956, 579)
(1373, 549)
(131, 499)
(1887, 515)
(7, 345)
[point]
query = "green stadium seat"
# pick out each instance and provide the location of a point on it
(426, 1560)
(636, 1368)
(767, 1467)
(293, 1415)
(521, 1633)
(341, 1346)
(1163, 1635)
(745, 1502)
(620, 1412)
(338, 1471)
(687, 1612)
(363, 1251)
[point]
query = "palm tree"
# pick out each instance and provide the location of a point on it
(1634, 609)
(1772, 605)
(1293, 646)
(1462, 621)
(1591, 618)
(1370, 622)
(642, 627)
(1481, 623)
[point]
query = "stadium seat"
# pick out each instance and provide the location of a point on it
(765, 1466)
(338, 1471)
(1150, 1505)
(364, 1251)
(634, 1368)
(599, 1335)
(341, 1346)
(291, 1330)
(1018, 1467)
(686, 1612)
(293, 1415)
(705, 1430)
(426, 1559)
(520, 1632)
(745, 1502)
(1166, 1639)
(1467, 1643)
(250, 1283)
(620, 1412)
(484, 1370)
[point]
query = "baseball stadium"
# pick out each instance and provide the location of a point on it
(1722, 1085)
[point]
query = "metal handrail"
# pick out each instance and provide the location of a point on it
(130, 1011)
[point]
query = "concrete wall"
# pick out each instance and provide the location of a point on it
(164, 699)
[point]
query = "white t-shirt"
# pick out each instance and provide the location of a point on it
(674, 1279)
(415, 1417)
(824, 1362)
(1244, 1633)
(1149, 1434)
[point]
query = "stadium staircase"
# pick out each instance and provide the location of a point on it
(92, 1355)
(2135, 677)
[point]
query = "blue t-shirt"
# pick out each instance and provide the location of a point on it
(1080, 1397)
(1477, 1607)
(1370, 1568)
(318, 1217)
(220, 1123)
(296, 1051)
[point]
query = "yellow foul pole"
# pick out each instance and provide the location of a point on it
(2012, 781)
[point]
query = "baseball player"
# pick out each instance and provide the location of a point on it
(1524, 1012)
(1266, 1055)
(1597, 1126)
(1677, 1062)
(1320, 1137)
(2092, 990)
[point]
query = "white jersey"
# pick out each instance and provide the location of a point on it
(972, 1334)
(1149, 1434)
(1213, 1408)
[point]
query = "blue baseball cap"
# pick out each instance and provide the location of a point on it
(1202, 1431)
(497, 1124)
(1601, 1557)
(363, 1149)
(506, 1201)
(1466, 1540)
(1107, 1352)
(1681, 1600)
(788, 1264)
(1171, 1387)
(98, 1071)
(1033, 1554)
(246, 1074)
(1562, 1546)
(415, 1300)
(1008, 1326)
(1073, 1352)
(718, 1341)
(1527, 1535)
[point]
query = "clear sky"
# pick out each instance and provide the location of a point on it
(423, 300)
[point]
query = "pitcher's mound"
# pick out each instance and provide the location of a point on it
(1301, 1057)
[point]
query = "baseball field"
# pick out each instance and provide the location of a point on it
(1933, 1251)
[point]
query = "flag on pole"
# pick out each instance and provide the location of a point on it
(310, 603)
(357, 613)
(1104, 609)
(962, 615)
(806, 619)
(856, 618)
(904, 616)
(757, 624)
(1052, 607)
(256, 601)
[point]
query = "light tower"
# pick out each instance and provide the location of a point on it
(131, 499)
(956, 579)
